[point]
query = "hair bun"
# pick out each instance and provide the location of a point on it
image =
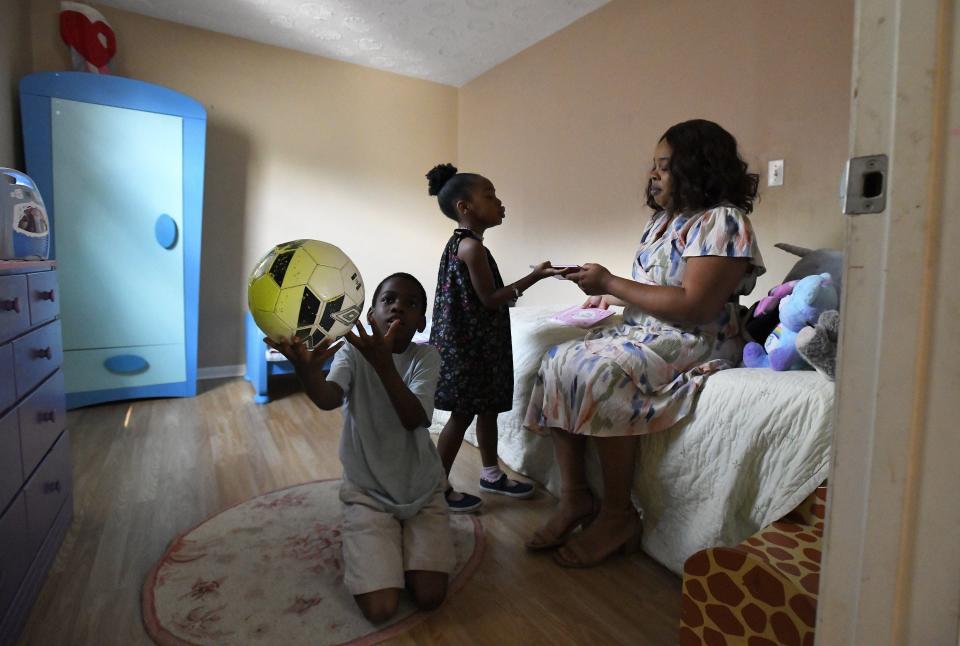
(438, 176)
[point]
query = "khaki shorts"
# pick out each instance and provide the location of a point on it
(378, 548)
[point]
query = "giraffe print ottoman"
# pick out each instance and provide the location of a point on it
(762, 592)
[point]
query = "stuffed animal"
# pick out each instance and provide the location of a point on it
(814, 261)
(818, 344)
(763, 317)
(809, 297)
(771, 301)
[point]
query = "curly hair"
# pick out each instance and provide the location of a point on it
(449, 186)
(706, 169)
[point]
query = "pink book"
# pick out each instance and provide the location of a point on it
(582, 316)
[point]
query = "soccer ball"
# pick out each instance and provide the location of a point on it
(305, 288)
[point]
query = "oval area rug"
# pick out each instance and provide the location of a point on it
(269, 571)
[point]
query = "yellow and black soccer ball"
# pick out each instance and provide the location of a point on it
(305, 288)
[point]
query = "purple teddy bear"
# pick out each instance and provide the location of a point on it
(801, 303)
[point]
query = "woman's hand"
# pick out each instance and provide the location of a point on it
(376, 348)
(599, 302)
(297, 353)
(592, 279)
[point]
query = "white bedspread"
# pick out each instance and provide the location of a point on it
(755, 446)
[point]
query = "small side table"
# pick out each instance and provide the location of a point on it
(262, 362)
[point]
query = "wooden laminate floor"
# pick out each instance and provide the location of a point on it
(146, 470)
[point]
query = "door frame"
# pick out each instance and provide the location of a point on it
(891, 570)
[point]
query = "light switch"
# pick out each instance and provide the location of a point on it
(775, 173)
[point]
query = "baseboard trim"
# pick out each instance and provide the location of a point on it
(221, 372)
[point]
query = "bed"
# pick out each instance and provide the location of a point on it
(755, 447)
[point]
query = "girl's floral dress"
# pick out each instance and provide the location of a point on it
(476, 356)
(643, 375)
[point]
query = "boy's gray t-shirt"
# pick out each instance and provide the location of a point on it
(399, 468)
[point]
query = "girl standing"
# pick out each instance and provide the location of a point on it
(471, 329)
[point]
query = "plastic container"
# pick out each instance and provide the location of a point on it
(24, 226)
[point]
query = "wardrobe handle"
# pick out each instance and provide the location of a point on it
(49, 416)
(43, 354)
(166, 232)
(12, 304)
(50, 487)
(48, 295)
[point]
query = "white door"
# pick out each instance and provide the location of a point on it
(892, 550)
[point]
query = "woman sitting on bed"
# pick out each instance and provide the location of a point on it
(697, 254)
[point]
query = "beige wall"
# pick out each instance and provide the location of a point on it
(297, 146)
(566, 129)
(300, 146)
(14, 63)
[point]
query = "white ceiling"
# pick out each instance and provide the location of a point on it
(447, 41)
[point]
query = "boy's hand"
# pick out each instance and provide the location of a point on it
(303, 359)
(376, 348)
(309, 366)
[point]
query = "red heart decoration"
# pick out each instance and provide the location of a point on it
(84, 36)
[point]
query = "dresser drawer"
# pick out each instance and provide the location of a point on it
(37, 354)
(42, 416)
(44, 296)
(11, 475)
(45, 492)
(8, 388)
(14, 306)
(112, 368)
(14, 559)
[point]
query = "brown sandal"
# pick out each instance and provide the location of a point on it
(577, 559)
(539, 542)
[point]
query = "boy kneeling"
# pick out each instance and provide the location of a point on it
(396, 531)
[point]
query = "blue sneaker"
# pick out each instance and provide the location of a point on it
(505, 486)
(462, 503)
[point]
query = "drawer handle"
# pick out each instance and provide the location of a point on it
(126, 364)
(48, 295)
(50, 487)
(43, 354)
(49, 416)
(11, 304)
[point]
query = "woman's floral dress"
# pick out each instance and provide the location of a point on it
(476, 355)
(643, 375)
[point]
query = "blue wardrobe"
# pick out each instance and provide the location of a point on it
(119, 163)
